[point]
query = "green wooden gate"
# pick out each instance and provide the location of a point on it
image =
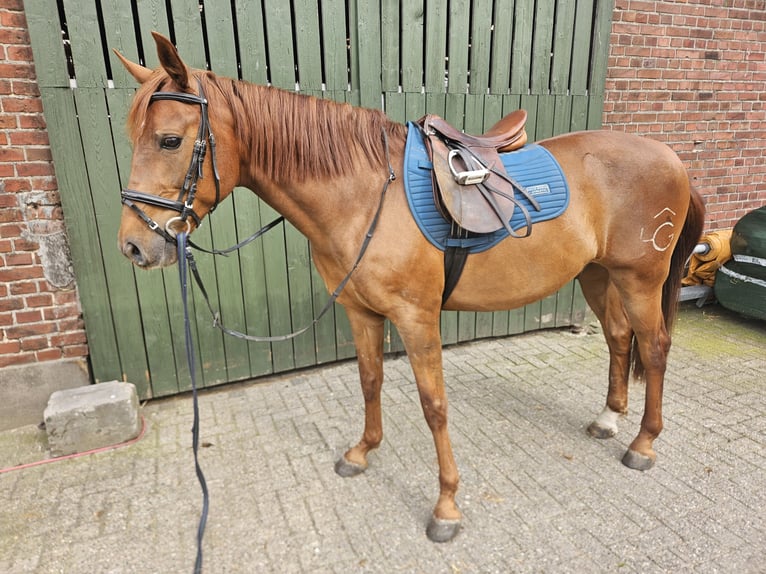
(470, 61)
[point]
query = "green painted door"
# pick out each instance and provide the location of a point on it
(469, 61)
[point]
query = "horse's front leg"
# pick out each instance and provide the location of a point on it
(423, 344)
(367, 329)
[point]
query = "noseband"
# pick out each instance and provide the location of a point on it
(184, 207)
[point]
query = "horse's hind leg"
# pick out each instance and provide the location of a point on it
(367, 329)
(605, 301)
(644, 307)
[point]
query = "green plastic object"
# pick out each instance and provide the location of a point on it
(740, 284)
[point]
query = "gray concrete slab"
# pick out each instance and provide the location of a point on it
(91, 417)
(538, 494)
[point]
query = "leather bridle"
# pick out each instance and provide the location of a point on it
(184, 207)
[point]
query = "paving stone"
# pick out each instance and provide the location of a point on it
(538, 494)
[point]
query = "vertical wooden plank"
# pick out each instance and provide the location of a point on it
(395, 107)
(414, 105)
(546, 110)
(120, 35)
(547, 317)
(252, 41)
(102, 173)
(279, 36)
(219, 25)
(562, 114)
(47, 47)
(542, 46)
(602, 29)
(223, 60)
(85, 42)
(152, 16)
(344, 340)
(502, 42)
(301, 296)
(481, 46)
(412, 27)
(578, 81)
(162, 357)
(369, 54)
(459, 32)
(324, 330)
(521, 60)
(187, 22)
(579, 113)
(581, 313)
(229, 281)
(595, 111)
(389, 45)
(253, 278)
(334, 44)
(158, 291)
(72, 178)
(564, 308)
(277, 292)
(562, 46)
(529, 103)
(308, 44)
(436, 46)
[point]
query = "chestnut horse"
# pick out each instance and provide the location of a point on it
(631, 223)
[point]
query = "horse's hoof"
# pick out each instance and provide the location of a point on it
(597, 431)
(440, 530)
(637, 461)
(348, 469)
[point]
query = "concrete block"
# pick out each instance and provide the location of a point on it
(94, 416)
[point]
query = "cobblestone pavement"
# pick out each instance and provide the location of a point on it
(538, 494)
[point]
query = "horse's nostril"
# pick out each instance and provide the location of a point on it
(132, 252)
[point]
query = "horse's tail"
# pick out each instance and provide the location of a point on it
(690, 235)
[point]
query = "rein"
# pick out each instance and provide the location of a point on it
(188, 255)
(186, 261)
(183, 277)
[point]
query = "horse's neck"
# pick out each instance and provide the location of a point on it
(318, 163)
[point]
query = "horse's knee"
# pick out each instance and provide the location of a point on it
(434, 410)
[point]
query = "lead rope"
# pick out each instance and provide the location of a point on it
(183, 276)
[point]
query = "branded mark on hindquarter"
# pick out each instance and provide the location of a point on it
(663, 234)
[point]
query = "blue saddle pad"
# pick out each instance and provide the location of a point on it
(532, 166)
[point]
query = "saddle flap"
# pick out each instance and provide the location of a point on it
(483, 207)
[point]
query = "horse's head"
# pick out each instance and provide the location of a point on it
(180, 171)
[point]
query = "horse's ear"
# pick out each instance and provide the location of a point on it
(171, 61)
(140, 73)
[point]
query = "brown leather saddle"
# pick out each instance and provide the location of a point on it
(471, 186)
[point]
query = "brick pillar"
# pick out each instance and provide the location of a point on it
(40, 317)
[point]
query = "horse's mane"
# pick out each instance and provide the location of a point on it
(290, 137)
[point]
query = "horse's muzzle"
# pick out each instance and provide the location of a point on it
(148, 254)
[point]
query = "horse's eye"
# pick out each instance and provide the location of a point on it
(170, 142)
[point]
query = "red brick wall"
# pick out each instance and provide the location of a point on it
(690, 73)
(693, 74)
(40, 317)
